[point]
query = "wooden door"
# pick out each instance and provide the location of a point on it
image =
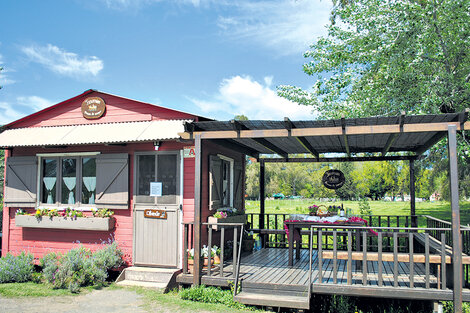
(156, 240)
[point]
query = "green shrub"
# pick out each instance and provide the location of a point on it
(448, 307)
(211, 295)
(364, 207)
(50, 264)
(109, 257)
(16, 268)
(80, 267)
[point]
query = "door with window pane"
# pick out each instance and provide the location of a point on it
(156, 240)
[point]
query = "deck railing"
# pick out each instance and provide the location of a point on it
(465, 231)
(274, 236)
(217, 233)
(428, 270)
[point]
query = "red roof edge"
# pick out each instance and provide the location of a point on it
(86, 92)
(48, 108)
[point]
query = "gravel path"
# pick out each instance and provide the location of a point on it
(103, 301)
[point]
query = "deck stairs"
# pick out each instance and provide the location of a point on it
(283, 296)
(149, 277)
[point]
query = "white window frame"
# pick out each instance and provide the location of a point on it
(232, 162)
(178, 194)
(58, 156)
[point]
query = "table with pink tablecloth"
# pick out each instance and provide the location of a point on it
(293, 226)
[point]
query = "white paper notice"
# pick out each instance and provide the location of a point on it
(155, 189)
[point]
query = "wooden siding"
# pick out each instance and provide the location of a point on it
(40, 241)
(118, 109)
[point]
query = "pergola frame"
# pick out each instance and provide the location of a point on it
(237, 134)
(411, 160)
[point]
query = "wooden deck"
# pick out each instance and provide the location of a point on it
(267, 269)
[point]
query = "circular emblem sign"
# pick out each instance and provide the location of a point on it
(93, 108)
(333, 179)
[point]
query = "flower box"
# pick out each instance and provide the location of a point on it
(56, 222)
(229, 219)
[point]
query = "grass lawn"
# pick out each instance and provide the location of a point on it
(30, 289)
(152, 298)
(172, 301)
(439, 209)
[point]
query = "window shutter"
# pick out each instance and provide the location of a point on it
(112, 179)
(215, 182)
(21, 181)
(238, 192)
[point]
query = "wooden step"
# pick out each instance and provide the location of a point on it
(273, 300)
(151, 277)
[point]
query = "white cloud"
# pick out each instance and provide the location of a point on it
(286, 26)
(34, 102)
(63, 62)
(23, 106)
(137, 4)
(243, 95)
(4, 78)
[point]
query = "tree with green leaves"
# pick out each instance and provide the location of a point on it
(241, 117)
(384, 57)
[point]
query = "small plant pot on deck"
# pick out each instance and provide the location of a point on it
(248, 245)
(204, 267)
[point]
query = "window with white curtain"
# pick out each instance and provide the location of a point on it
(68, 180)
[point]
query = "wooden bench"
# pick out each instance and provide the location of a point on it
(435, 246)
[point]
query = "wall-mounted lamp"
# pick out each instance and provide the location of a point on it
(156, 145)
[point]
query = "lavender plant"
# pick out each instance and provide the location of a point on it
(16, 268)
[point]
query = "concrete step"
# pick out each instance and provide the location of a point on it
(145, 284)
(273, 300)
(151, 277)
(149, 274)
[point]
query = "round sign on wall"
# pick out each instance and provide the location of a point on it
(333, 179)
(93, 108)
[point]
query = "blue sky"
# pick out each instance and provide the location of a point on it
(212, 58)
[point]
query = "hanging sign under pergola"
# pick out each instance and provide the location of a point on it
(333, 179)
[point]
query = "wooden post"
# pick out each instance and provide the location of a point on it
(5, 239)
(197, 210)
(412, 194)
(454, 203)
(262, 197)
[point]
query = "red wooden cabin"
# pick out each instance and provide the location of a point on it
(98, 150)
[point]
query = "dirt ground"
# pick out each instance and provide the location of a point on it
(112, 301)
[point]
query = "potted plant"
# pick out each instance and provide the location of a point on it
(226, 215)
(204, 254)
(248, 242)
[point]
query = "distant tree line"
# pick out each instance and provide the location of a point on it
(374, 180)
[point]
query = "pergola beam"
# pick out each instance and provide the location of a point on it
(345, 136)
(272, 147)
(431, 142)
(237, 146)
(326, 131)
(197, 230)
(340, 159)
(302, 140)
(393, 137)
(239, 127)
(454, 203)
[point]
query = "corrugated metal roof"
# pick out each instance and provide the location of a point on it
(92, 134)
